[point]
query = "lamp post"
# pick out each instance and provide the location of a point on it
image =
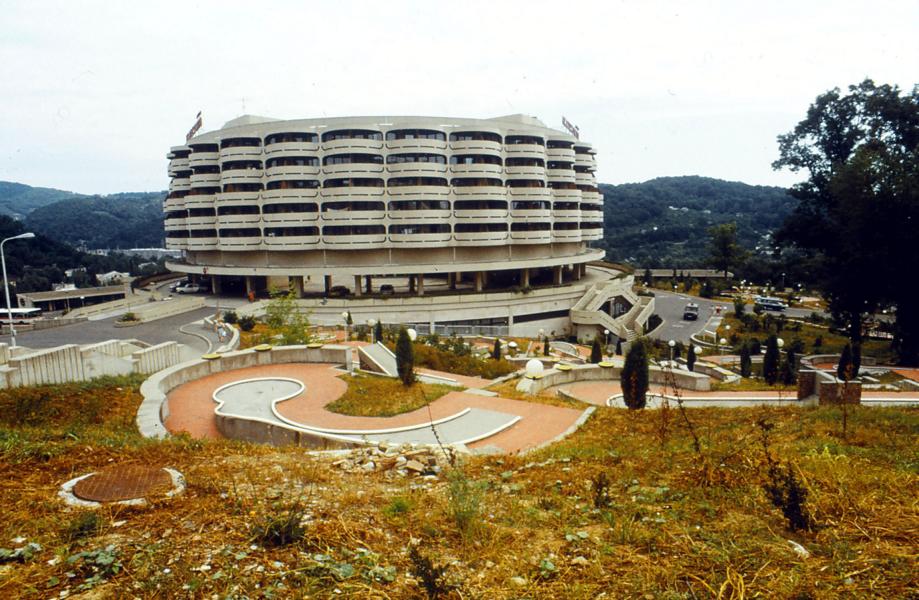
(372, 323)
(344, 317)
(6, 285)
(672, 345)
(722, 343)
(606, 333)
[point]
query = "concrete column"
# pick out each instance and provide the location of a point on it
(557, 275)
(216, 287)
(327, 282)
(369, 281)
(478, 281)
(296, 284)
(421, 284)
(525, 278)
(357, 286)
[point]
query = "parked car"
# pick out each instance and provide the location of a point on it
(387, 289)
(175, 285)
(189, 288)
(767, 303)
(691, 312)
(339, 290)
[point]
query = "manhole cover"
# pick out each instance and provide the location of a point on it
(123, 482)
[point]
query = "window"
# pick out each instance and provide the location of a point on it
(351, 206)
(582, 150)
(419, 228)
(352, 182)
(475, 159)
(556, 164)
(530, 226)
(291, 231)
(351, 134)
(530, 205)
(475, 182)
(241, 143)
(178, 154)
(591, 225)
(293, 184)
(563, 226)
(180, 233)
(396, 159)
(195, 148)
(287, 137)
(290, 207)
(176, 214)
(582, 169)
(354, 230)
(202, 191)
(241, 232)
(237, 165)
(238, 210)
(203, 170)
(562, 185)
(481, 136)
(559, 144)
(480, 205)
(201, 212)
(525, 183)
(592, 207)
(513, 140)
(203, 233)
(397, 205)
(566, 206)
(293, 161)
(180, 194)
(415, 134)
(481, 227)
(242, 187)
(347, 159)
(588, 188)
(406, 181)
(524, 162)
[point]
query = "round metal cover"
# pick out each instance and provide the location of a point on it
(123, 482)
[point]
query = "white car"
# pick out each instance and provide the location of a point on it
(189, 288)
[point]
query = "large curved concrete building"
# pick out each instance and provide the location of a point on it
(473, 205)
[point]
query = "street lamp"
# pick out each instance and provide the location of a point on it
(6, 285)
(672, 345)
(606, 333)
(723, 343)
(372, 323)
(344, 317)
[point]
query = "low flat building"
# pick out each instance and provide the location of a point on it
(70, 299)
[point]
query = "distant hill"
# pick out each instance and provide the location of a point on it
(131, 220)
(18, 200)
(663, 222)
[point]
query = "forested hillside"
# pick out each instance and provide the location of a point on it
(18, 200)
(663, 222)
(131, 220)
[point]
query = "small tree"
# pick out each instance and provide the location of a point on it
(678, 350)
(405, 358)
(647, 276)
(844, 368)
(707, 291)
(634, 378)
(739, 308)
(789, 374)
(691, 357)
(283, 315)
(771, 361)
(496, 350)
(230, 317)
(746, 363)
(856, 359)
(545, 346)
(596, 352)
(378, 332)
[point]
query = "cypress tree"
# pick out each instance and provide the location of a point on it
(691, 357)
(496, 350)
(634, 378)
(856, 359)
(596, 352)
(746, 363)
(844, 368)
(378, 332)
(545, 346)
(771, 361)
(405, 358)
(789, 375)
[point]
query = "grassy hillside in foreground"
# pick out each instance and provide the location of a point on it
(618, 508)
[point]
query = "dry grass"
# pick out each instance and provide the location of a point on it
(374, 396)
(748, 384)
(679, 525)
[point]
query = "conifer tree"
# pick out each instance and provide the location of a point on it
(634, 378)
(844, 368)
(596, 352)
(405, 358)
(771, 361)
(746, 363)
(691, 357)
(496, 350)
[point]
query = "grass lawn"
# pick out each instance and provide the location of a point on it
(373, 396)
(622, 508)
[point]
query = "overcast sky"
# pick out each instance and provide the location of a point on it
(94, 93)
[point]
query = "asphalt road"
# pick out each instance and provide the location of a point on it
(89, 332)
(669, 307)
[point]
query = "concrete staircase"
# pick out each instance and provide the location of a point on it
(377, 358)
(629, 326)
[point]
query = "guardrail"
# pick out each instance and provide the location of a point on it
(552, 377)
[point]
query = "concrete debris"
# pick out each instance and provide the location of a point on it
(400, 460)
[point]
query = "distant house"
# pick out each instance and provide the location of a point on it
(113, 278)
(70, 272)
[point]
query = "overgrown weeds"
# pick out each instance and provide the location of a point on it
(783, 487)
(433, 577)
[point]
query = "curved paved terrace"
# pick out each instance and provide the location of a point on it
(525, 425)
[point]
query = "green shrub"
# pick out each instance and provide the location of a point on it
(634, 378)
(247, 323)
(230, 317)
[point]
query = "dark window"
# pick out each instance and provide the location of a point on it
(293, 161)
(203, 233)
(240, 142)
(591, 225)
(562, 185)
(530, 226)
(592, 207)
(291, 231)
(348, 159)
(182, 193)
(348, 206)
(466, 136)
(237, 210)
(293, 184)
(395, 159)
(242, 187)
(351, 134)
(559, 144)
(404, 181)
(419, 205)
(201, 212)
(352, 182)
(205, 169)
(475, 182)
(566, 206)
(353, 230)
(181, 233)
(203, 191)
(525, 183)
(530, 205)
(176, 214)
(241, 232)
(588, 188)
(480, 205)
(204, 148)
(557, 164)
(582, 150)
(415, 134)
(183, 174)
(236, 165)
(516, 161)
(513, 140)
(290, 207)
(479, 227)
(412, 228)
(475, 159)
(179, 154)
(549, 314)
(286, 137)
(565, 226)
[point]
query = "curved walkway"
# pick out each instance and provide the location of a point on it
(192, 409)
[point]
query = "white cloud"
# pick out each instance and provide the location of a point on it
(96, 92)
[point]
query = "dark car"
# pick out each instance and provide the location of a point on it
(691, 312)
(338, 291)
(387, 289)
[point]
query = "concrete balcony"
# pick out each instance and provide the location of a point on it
(242, 176)
(236, 198)
(252, 220)
(173, 204)
(531, 237)
(200, 201)
(416, 145)
(180, 184)
(420, 240)
(338, 217)
(419, 215)
(566, 235)
(417, 169)
(418, 191)
(530, 214)
(561, 175)
(178, 164)
(481, 214)
(240, 243)
(240, 153)
(352, 192)
(291, 172)
(481, 192)
(477, 170)
(369, 241)
(202, 243)
(480, 238)
(566, 195)
(585, 179)
(525, 151)
(290, 194)
(203, 159)
(291, 149)
(291, 242)
(353, 169)
(205, 179)
(209, 222)
(293, 219)
(562, 154)
(566, 213)
(589, 235)
(476, 147)
(174, 224)
(526, 193)
(526, 172)
(358, 145)
(176, 243)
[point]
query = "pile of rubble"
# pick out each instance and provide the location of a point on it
(405, 460)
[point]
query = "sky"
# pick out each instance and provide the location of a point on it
(95, 93)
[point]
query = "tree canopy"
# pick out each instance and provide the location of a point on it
(724, 251)
(858, 209)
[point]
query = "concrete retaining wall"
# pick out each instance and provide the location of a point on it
(55, 365)
(684, 379)
(156, 358)
(154, 408)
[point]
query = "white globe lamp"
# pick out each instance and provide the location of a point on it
(534, 368)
